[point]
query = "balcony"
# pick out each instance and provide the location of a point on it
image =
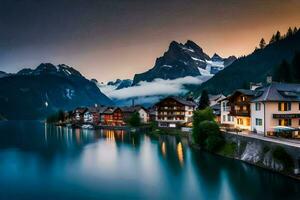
(242, 113)
(226, 109)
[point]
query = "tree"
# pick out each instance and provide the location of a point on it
(56, 117)
(295, 30)
(134, 120)
(198, 117)
(262, 43)
(277, 36)
(272, 40)
(295, 67)
(289, 32)
(204, 100)
(283, 72)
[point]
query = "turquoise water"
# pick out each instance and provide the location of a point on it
(47, 162)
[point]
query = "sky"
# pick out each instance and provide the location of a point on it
(109, 39)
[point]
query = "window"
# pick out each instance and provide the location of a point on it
(284, 106)
(257, 106)
(258, 122)
(243, 98)
(228, 118)
(240, 121)
(248, 122)
(285, 122)
(224, 118)
(224, 105)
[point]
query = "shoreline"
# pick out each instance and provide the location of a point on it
(295, 177)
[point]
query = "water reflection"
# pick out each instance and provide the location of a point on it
(38, 160)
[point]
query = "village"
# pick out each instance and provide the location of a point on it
(269, 109)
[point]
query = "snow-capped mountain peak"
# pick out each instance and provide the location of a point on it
(49, 68)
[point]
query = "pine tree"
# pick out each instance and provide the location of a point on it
(283, 72)
(204, 100)
(296, 67)
(295, 30)
(289, 32)
(277, 36)
(262, 43)
(272, 40)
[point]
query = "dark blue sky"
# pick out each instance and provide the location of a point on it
(107, 39)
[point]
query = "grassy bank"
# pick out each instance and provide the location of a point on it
(173, 132)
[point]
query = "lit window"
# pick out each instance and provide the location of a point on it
(284, 106)
(285, 122)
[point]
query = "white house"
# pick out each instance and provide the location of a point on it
(276, 107)
(225, 117)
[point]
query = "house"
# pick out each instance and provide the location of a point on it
(215, 105)
(112, 116)
(215, 99)
(225, 118)
(174, 111)
(129, 110)
(77, 115)
(152, 114)
(217, 112)
(239, 103)
(276, 108)
(91, 116)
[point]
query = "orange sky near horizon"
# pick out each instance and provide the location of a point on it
(116, 39)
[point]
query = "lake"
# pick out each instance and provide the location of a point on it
(39, 161)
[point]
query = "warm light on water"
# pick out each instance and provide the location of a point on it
(180, 153)
(38, 162)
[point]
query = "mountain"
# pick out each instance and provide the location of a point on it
(3, 74)
(252, 68)
(120, 84)
(181, 60)
(36, 93)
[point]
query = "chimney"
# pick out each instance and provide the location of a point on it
(269, 79)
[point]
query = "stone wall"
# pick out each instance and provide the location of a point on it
(259, 152)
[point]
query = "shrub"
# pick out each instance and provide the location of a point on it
(56, 117)
(280, 154)
(198, 117)
(214, 142)
(134, 120)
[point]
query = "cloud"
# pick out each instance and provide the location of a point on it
(158, 87)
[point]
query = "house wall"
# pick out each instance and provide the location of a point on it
(188, 113)
(272, 108)
(257, 114)
(242, 123)
(144, 116)
(170, 113)
(269, 122)
(225, 118)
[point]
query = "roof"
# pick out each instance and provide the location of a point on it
(110, 110)
(181, 100)
(102, 109)
(216, 97)
(216, 109)
(80, 110)
(278, 92)
(132, 109)
(246, 92)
